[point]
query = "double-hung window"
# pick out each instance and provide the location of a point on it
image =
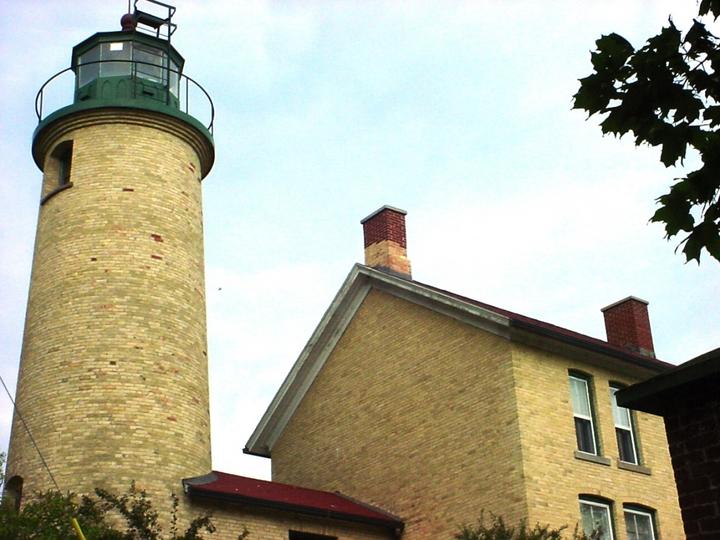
(639, 524)
(623, 430)
(583, 414)
(595, 519)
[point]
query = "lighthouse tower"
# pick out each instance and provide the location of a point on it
(113, 382)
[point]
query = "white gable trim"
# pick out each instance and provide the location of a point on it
(333, 325)
(335, 332)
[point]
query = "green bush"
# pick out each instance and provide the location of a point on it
(47, 516)
(497, 529)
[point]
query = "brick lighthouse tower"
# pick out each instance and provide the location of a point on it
(113, 382)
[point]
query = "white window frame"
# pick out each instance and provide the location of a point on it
(586, 382)
(644, 513)
(613, 400)
(604, 506)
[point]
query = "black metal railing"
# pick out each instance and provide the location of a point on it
(185, 87)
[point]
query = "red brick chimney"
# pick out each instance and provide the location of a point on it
(627, 325)
(385, 242)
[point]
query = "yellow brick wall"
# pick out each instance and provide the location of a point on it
(555, 478)
(275, 525)
(113, 377)
(388, 254)
(435, 421)
(413, 412)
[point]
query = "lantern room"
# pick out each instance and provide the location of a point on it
(137, 63)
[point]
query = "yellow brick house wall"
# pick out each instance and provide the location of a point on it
(554, 478)
(414, 412)
(269, 524)
(113, 377)
(435, 420)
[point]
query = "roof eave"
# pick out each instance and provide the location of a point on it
(194, 491)
(574, 347)
(649, 396)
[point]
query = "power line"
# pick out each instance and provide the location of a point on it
(27, 429)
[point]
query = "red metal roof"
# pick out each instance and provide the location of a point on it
(288, 497)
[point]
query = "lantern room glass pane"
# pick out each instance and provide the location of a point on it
(174, 79)
(150, 63)
(88, 73)
(118, 50)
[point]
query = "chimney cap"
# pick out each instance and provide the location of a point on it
(382, 209)
(626, 299)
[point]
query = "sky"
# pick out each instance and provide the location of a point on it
(457, 111)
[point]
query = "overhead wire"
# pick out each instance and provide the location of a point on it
(73, 521)
(32, 439)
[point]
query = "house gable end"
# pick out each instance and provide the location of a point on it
(408, 396)
(331, 328)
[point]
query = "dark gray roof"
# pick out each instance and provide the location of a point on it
(654, 394)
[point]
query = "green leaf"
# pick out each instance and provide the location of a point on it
(692, 246)
(615, 123)
(705, 235)
(612, 52)
(674, 146)
(667, 42)
(702, 185)
(710, 6)
(674, 212)
(702, 83)
(687, 106)
(594, 94)
(699, 40)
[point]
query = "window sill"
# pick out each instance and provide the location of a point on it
(592, 458)
(634, 468)
(54, 192)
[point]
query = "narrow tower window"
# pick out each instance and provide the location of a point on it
(63, 155)
(57, 172)
(13, 491)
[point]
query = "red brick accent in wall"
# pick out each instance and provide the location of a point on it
(387, 223)
(627, 325)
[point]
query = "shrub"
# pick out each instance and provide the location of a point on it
(497, 529)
